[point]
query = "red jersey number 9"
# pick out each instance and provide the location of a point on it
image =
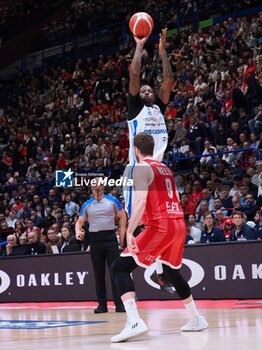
(169, 188)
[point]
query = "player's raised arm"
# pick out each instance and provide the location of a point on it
(134, 73)
(166, 87)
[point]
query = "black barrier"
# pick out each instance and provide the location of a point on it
(217, 271)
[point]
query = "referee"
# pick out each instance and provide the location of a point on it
(100, 211)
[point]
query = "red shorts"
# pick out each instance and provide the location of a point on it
(163, 240)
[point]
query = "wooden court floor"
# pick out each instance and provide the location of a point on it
(234, 325)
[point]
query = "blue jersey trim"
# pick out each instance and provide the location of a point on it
(91, 200)
(115, 200)
(134, 131)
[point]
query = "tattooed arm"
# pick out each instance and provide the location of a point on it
(165, 90)
(134, 73)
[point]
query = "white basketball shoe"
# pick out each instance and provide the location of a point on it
(131, 330)
(197, 324)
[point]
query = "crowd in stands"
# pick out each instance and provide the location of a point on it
(75, 117)
(17, 15)
(80, 16)
(85, 15)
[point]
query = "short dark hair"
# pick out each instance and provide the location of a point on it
(236, 212)
(145, 143)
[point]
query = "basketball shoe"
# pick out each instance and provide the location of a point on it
(163, 282)
(131, 330)
(197, 324)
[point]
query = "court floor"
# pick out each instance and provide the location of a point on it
(234, 325)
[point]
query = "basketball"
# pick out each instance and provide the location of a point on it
(141, 24)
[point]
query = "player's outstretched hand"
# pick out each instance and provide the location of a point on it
(131, 243)
(141, 41)
(162, 41)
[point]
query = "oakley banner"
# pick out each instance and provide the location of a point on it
(217, 271)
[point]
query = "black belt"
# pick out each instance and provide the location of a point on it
(106, 235)
(102, 231)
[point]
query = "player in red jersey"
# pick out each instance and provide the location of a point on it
(156, 203)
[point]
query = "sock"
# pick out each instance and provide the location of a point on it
(159, 267)
(131, 309)
(191, 309)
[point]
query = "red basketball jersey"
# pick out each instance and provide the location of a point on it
(162, 201)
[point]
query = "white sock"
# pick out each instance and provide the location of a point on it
(131, 310)
(191, 309)
(159, 267)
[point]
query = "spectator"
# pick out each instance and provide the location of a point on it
(11, 242)
(189, 238)
(194, 134)
(228, 225)
(219, 206)
(53, 242)
(180, 131)
(226, 156)
(208, 146)
(30, 227)
(192, 221)
(242, 195)
(68, 241)
(56, 210)
(36, 247)
(226, 198)
(211, 233)
(70, 206)
(61, 162)
(11, 219)
(250, 207)
(220, 217)
(38, 221)
(221, 141)
(258, 227)
(207, 196)
(23, 240)
(184, 202)
(49, 219)
(195, 196)
(251, 188)
(241, 231)
(52, 197)
(19, 228)
(236, 203)
(203, 209)
(255, 124)
(257, 176)
(193, 231)
(25, 212)
(56, 228)
(237, 180)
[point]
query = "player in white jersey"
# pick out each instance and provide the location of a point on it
(145, 114)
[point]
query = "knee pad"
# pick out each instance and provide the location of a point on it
(180, 284)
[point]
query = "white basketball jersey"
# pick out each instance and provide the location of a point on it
(150, 120)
